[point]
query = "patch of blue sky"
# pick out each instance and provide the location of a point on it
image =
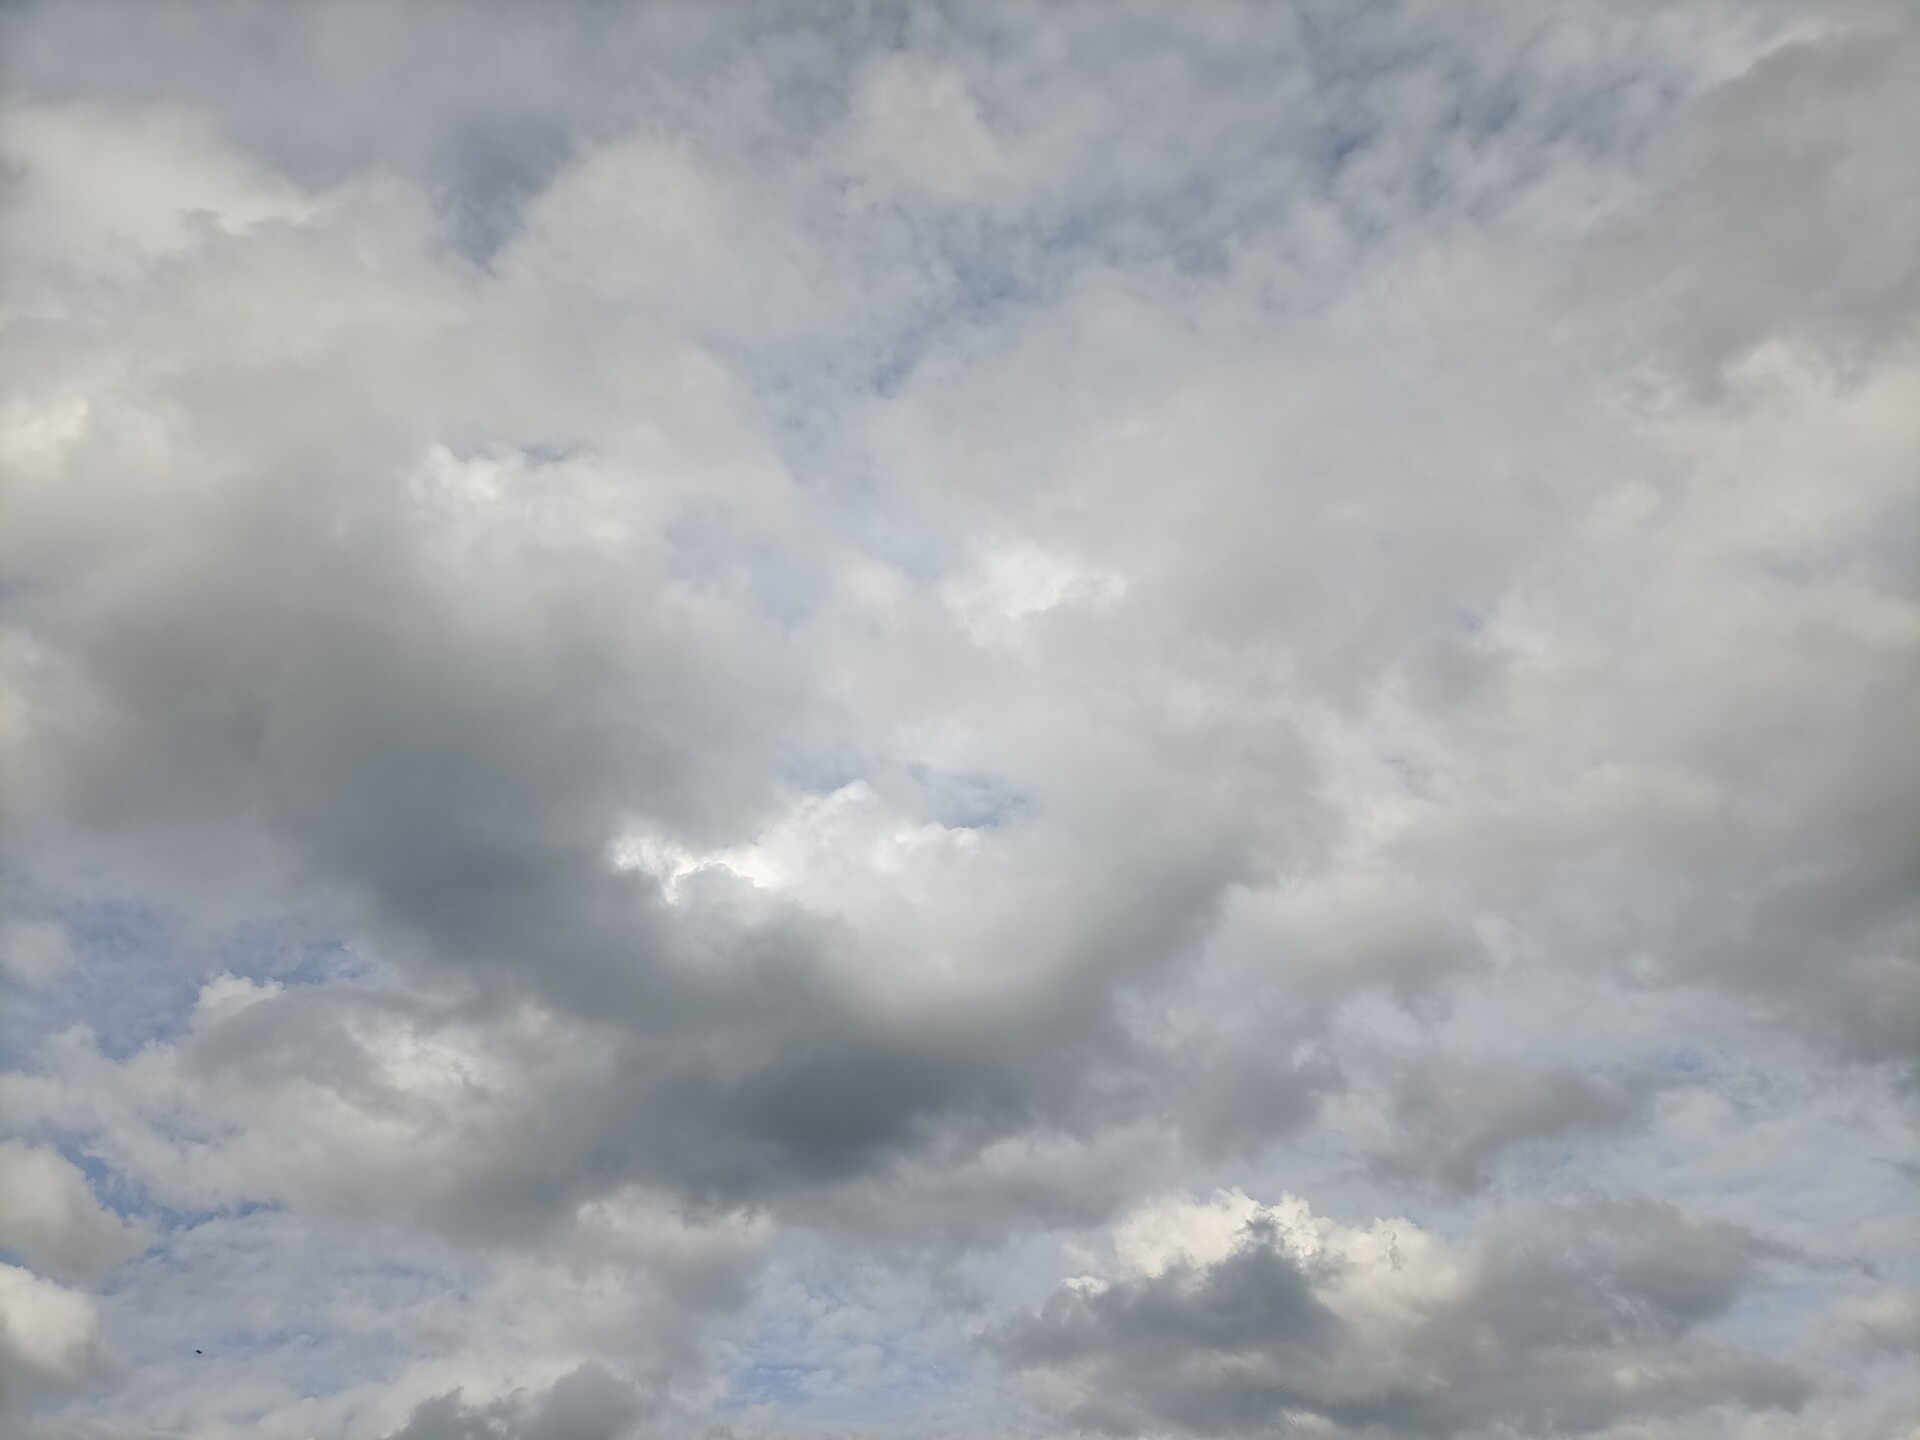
(831, 1344)
(470, 439)
(809, 423)
(1684, 1062)
(310, 1360)
(964, 800)
(872, 1384)
(286, 949)
(976, 263)
(824, 770)
(137, 971)
(114, 1190)
(707, 548)
(677, 70)
(172, 1222)
(978, 269)
(769, 1383)
(134, 977)
(262, 1290)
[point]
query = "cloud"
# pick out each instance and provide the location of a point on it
(49, 1338)
(1566, 1321)
(94, 195)
(590, 1403)
(668, 637)
(1888, 1320)
(1772, 240)
(49, 1215)
(1456, 1120)
(920, 126)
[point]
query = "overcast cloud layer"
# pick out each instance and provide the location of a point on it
(978, 720)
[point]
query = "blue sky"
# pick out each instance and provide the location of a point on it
(964, 720)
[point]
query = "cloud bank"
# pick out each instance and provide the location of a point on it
(969, 721)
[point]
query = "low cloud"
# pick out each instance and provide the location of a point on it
(590, 1403)
(49, 1215)
(50, 1339)
(1565, 1321)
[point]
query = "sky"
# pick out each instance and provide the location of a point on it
(761, 720)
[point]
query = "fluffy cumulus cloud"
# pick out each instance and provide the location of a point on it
(1179, 721)
(1558, 1323)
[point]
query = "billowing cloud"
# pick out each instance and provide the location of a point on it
(1563, 1324)
(588, 1404)
(48, 1214)
(49, 1337)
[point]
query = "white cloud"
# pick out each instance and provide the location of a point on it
(1570, 1323)
(918, 125)
(49, 1337)
(49, 1215)
(106, 193)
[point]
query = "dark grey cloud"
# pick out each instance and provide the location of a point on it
(1206, 1350)
(1562, 1323)
(591, 1403)
(1454, 1121)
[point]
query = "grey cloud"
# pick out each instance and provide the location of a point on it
(1781, 224)
(310, 671)
(306, 666)
(1614, 1271)
(1454, 1120)
(1567, 1322)
(50, 1341)
(48, 1214)
(1207, 1350)
(591, 1403)
(1887, 1322)
(1237, 1092)
(557, 499)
